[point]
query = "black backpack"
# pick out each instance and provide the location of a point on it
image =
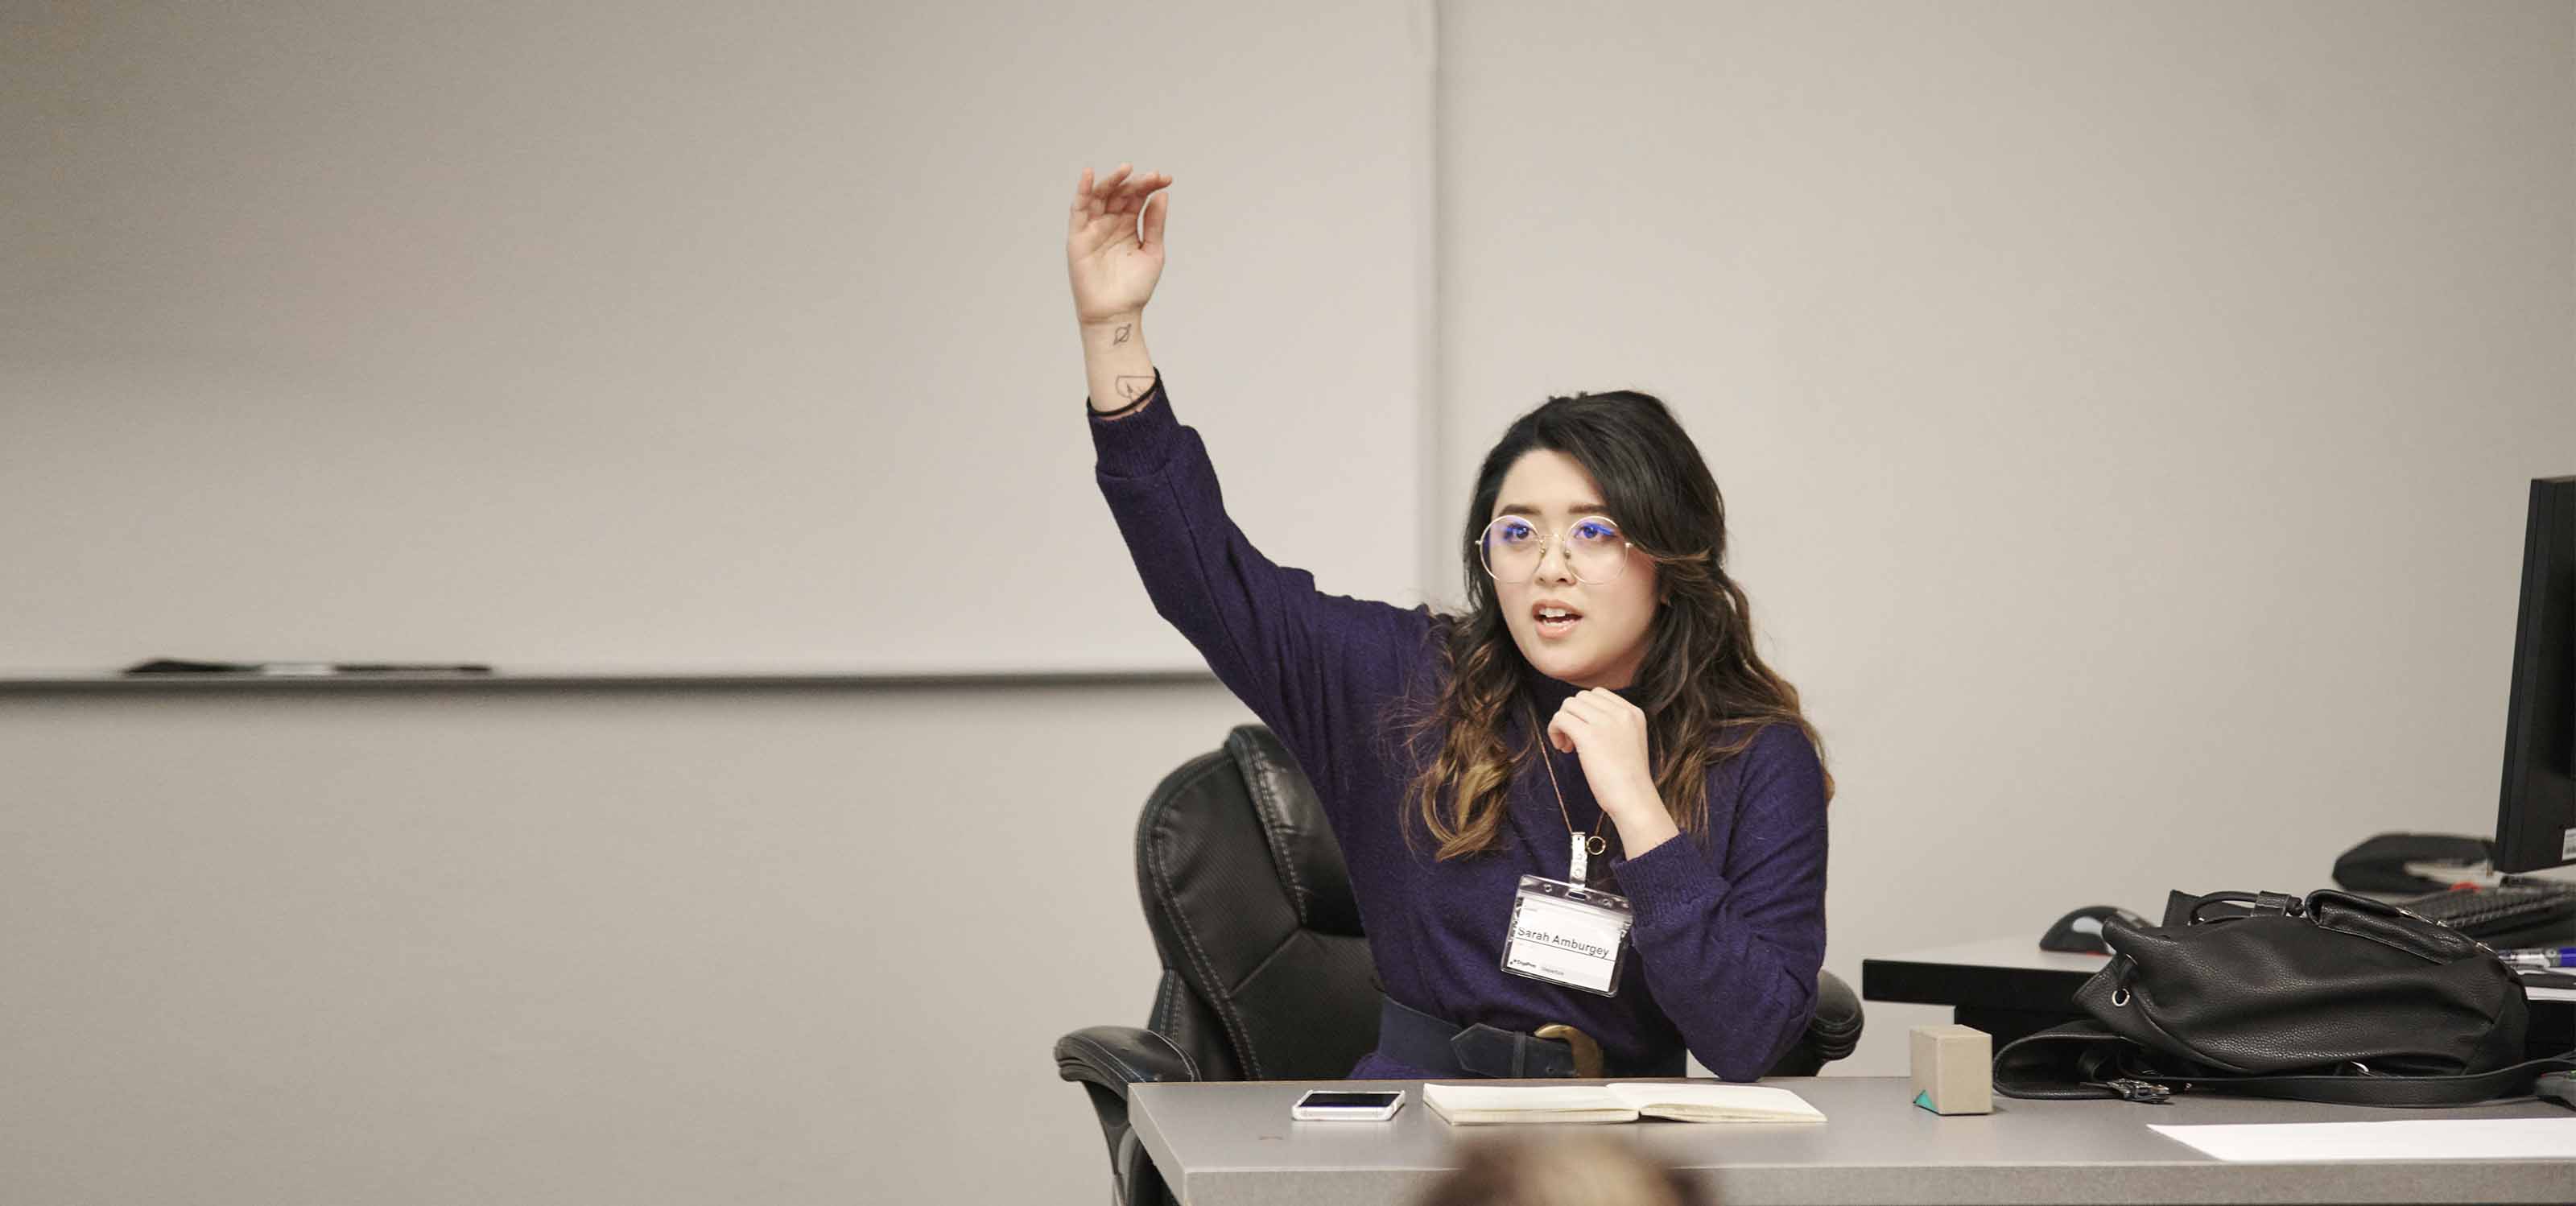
(2335, 998)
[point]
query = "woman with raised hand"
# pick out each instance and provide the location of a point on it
(1582, 812)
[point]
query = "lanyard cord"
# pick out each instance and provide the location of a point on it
(1593, 845)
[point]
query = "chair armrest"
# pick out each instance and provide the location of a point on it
(1835, 1029)
(1832, 1031)
(1115, 1057)
(1104, 1060)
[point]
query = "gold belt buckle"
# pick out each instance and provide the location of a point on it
(1587, 1054)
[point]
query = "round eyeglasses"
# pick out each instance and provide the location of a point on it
(1511, 549)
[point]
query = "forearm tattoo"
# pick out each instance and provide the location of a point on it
(1129, 387)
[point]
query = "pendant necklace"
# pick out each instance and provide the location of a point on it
(1582, 846)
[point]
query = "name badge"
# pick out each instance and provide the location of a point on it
(1568, 934)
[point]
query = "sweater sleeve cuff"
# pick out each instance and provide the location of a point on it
(1673, 878)
(1134, 440)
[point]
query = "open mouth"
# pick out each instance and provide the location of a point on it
(1555, 620)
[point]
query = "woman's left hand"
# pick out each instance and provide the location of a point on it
(1609, 734)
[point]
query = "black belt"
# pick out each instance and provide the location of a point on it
(1419, 1040)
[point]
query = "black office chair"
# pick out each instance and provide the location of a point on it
(1265, 974)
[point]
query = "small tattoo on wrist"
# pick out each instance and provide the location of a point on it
(1129, 387)
(1122, 334)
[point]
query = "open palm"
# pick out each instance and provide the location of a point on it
(1114, 269)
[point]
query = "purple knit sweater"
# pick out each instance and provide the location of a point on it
(1729, 932)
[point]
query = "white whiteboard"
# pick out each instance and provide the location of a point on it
(673, 337)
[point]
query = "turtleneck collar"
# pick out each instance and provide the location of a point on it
(1549, 693)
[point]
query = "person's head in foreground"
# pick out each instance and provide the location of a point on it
(1584, 1169)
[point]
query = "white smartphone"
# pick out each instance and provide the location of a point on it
(1339, 1105)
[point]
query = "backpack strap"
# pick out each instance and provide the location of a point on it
(2081, 1060)
(2376, 1089)
(2073, 1062)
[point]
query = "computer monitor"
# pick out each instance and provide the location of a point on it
(2536, 824)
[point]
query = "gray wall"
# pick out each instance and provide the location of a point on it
(589, 946)
(2124, 415)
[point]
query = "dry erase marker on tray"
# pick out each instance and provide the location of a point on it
(2540, 956)
(167, 665)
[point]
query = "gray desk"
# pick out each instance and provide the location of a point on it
(1233, 1143)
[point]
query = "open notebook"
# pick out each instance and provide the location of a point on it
(1621, 1102)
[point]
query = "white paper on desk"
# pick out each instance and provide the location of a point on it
(2411, 1139)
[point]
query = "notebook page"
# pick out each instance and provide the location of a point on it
(1521, 1097)
(1751, 1103)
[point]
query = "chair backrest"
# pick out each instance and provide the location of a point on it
(1265, 973)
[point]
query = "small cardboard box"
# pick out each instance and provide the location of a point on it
(1954, 1069)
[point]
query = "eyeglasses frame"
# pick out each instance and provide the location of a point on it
(1555, 541)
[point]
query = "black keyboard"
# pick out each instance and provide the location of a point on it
(2503, 908)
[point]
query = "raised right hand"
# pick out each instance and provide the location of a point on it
(1113, 270)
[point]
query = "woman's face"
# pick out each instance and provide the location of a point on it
(1604, 640)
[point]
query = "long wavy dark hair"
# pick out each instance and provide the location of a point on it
(1705, 691)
